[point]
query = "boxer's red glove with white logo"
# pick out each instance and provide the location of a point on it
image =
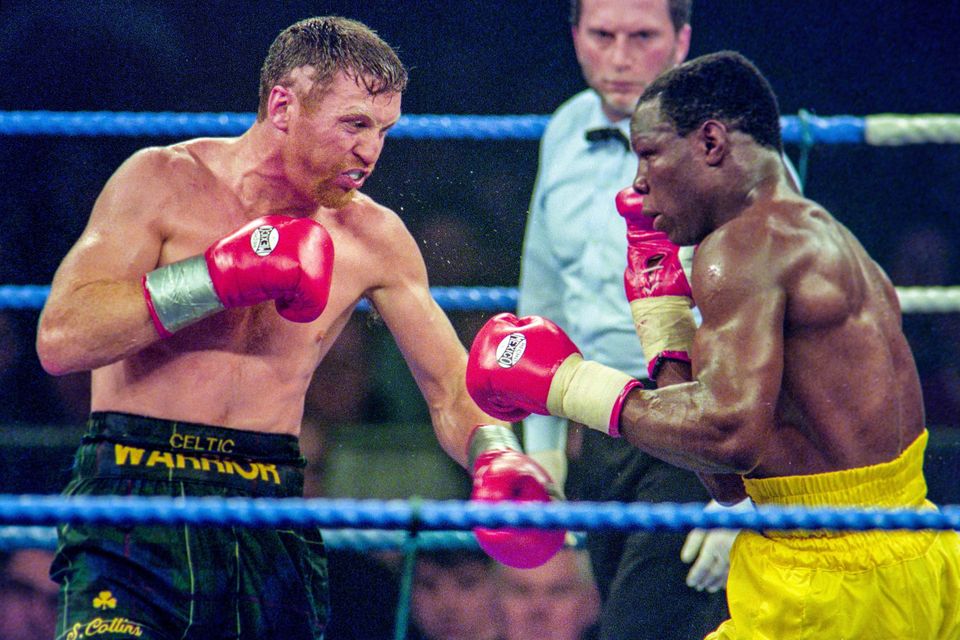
(288, 260)
(519, 366)
(501, 471)
(656, 287)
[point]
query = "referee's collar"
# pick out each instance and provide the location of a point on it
(601, 131)
(605, 135)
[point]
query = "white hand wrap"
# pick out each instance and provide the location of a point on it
(589, 393)
(665, 325)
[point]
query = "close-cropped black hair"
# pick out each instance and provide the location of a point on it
(722, 86)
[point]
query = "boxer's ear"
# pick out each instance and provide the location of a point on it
(714, 138)
(281, 103)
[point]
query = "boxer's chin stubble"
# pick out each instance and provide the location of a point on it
(329, 193)
(331, 196)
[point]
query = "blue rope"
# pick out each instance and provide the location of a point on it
(367, 540)
(33, 296)
(806, 145)
(829, 130)
(28, 296)
(808, 129)
(464, 299)
(913, 299)
(449, 514)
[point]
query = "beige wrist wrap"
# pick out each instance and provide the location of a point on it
(587, 392)
(664, 324)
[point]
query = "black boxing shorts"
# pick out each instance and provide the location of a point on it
(188, 581)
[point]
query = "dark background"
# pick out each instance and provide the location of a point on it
(478, 57)
(481, 57)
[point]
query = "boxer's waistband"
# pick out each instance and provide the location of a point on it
(123, 445)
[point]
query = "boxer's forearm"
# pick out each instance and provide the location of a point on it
(685, 425)
(451, 435)
(453, 424)
(93, 325)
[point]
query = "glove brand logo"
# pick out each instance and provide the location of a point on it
(510, 350)
(264, 239)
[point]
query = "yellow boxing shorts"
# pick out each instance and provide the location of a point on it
(844, 585)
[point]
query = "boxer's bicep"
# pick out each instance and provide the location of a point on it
(123, 235)
(738, 349)
(95, 311)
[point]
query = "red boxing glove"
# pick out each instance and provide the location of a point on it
(656, 287)
(501, 471)
(288, 260)
(653, 262)
(512, 363)
(519, 366)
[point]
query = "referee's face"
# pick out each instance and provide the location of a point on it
(622, 45)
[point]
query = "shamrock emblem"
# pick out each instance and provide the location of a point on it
(105, 600)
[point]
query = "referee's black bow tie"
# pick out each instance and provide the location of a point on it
(608, 133)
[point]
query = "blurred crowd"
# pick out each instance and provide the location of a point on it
(28, 597)
(457, 594)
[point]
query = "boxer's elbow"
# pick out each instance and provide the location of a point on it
(736, 456)
(57, 350)
(731, 441)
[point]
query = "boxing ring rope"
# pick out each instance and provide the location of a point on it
(364, 540)
(912, 299)
(371, 525)
(434, 515)
(803, 129)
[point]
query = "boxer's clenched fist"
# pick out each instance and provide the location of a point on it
(656, 287)
(287, 260)
(518, 366)
(501, 471)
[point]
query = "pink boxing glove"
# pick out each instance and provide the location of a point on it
(501, 471)
(288, 260)
(653, 262)
(512, 362)
(656, 287)
(518, 366)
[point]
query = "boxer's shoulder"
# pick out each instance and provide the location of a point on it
(201, 161)
(366, 223)
(362, 210)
